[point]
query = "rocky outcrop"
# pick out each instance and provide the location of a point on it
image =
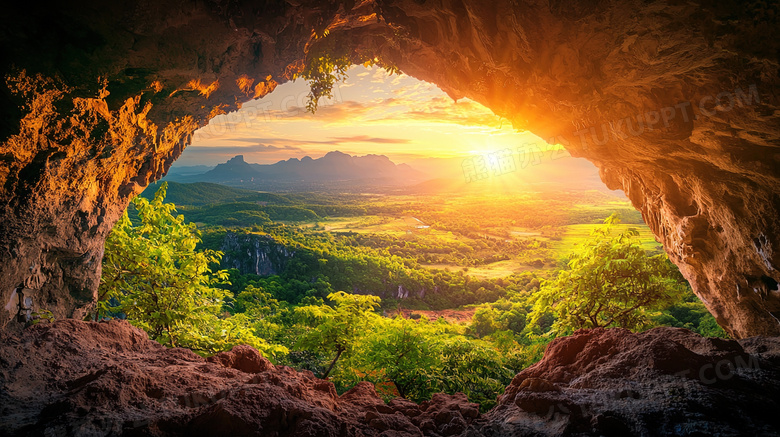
(254, 254)
(666, 381)
(108, 378)
(676, 103)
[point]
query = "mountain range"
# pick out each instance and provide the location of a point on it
(377, 173)
(332, 169)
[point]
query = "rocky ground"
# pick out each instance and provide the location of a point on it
(82, 378)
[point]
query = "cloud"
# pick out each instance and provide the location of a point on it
(444, 110)
(260, 145)
(405, 115)
(415, 90)
(397, 79)
(375, 140)
(281, 142)
(235, 149)
(380, 75)
(326, 112)
(413, 104)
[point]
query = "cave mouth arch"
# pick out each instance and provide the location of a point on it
(111, 99)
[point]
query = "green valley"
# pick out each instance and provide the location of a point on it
(359, 286)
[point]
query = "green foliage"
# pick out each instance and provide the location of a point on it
(327, 64)
(611, 282)
(241, 214)
(255, 301)
(336, 329)
(419, 358)
(323, 72)
(154, 276)
(690, 313)
(708, 327)
(211, 334)
(485, 322)
(155, 273)
(403, 352)
(475, 368)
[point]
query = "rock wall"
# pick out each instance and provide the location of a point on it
(255, 254)
(99, 100)
(108, 378)
(675, 102)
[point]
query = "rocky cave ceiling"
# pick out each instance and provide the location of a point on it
(675, 102)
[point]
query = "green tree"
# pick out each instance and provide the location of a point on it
(611, 282)
(690, 313)
(404, 352)
(154, 276)
(485, 322)
(214, 334)
(255, 301)
(474, 367)
(420, 358)
(338, 328)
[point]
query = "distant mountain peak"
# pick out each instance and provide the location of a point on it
(337, 153)
(337, 156)
(333, 167)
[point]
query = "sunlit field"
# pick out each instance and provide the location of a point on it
(573, 236)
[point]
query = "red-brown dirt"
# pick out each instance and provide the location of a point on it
(108, 378)
(452, 316)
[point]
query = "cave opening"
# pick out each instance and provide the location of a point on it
(100, 100)
(363, 149)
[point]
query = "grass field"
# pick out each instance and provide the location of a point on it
(461, 316)
(500, 269)
(368, 225)
(571, 238)
(575, 235)
(562, 240)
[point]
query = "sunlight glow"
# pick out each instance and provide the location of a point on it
(371, 113)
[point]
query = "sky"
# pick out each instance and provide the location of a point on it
(372, 112)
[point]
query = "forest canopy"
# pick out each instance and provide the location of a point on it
(351, 283)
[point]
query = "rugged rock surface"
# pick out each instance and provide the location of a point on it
(99, 100)
(255, 254)
(676, 102)
(666, 381)
(108, 378)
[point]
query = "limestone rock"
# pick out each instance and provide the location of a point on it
(676, 103)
